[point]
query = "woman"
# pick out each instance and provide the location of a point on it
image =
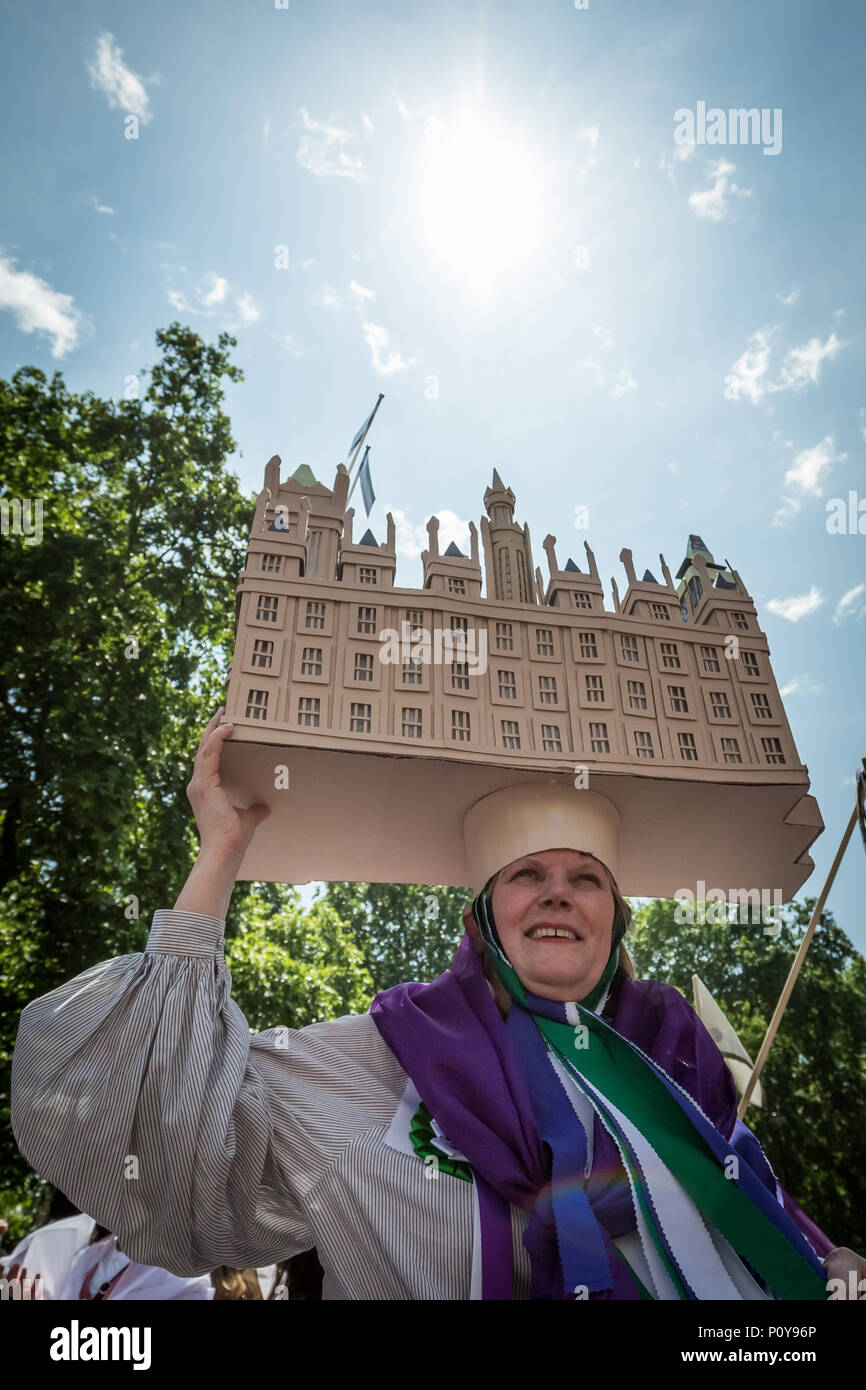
(424, 1150)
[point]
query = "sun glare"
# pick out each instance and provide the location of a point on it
(480, 199)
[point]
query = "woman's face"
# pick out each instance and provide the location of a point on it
(563, 889)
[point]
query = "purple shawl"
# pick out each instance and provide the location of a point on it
(451, 1039)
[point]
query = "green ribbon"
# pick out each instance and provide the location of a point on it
(621, 1075)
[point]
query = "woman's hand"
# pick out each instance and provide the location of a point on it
(225, 830)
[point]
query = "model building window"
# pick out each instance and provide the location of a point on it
(719, 704)
(363, 666)
(504, 561)
(311, 661)
(366, 620)
(411, 723)
(750, 661)
(588, 647)
(510, 733)
(459, 624)
(581, 600)
(599, 741)
(731, 750)
(761, 705)
(661, 611)
(413, 673)
(594, 688)
(266, 611)
(360, 720)
(263, 652)
(679, 703)
(271, 564)
(415, 619)
(711, 658)
(315, 614)
(504, 637)
(456, 586)
(257, 704)
(550, 739)
(507, 685)
(547, 690)
(636, 695)
(773, 750)
(643, 744)
(630, 649)
(460, 675)
(670, 655)
(368, 574)
(308, 709)
(544, 641)
(460, 725)
(688, 751)
(741, 621)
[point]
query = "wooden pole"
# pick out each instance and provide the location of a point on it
(795, 970)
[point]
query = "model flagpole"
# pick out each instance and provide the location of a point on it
(795, 969)
(358, 441)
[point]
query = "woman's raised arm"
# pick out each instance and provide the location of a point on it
(136, 1091)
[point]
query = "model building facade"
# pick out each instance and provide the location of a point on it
(331, 654)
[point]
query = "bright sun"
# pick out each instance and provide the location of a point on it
(480, 198)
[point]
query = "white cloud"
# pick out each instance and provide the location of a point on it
(850, 603)
(411, 538)
(376, 338)
(360, 292)
(750, 369)
(713, 203)
(101, 207)
(266, 130)
(217, 292)
(802, 365)
(322, 151)
(210, 300)
(40, 309)
(790, 298)
(328, 298)
(625, 383)
(428, 116)
(291, 346)
(368, 124)
(800, 606)
(800, 368)
(606, 337)
(811, 465)
(801, 685)
(124, 88)
(247, 308)
(805, 475)
(680, 153)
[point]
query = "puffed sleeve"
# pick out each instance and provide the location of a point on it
(139, 1092)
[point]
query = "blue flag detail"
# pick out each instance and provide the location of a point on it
(366, 485)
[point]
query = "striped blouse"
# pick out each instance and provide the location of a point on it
(139, 1091)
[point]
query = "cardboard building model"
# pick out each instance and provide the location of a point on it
(370, 718)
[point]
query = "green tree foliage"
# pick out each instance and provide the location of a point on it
(290, 967)
(404, 931)
(117, 629)
(811, 1125)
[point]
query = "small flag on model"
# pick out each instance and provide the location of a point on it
(363, 430)
(736, 1056)
(366, 484)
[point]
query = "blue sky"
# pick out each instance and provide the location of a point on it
(486, 216)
